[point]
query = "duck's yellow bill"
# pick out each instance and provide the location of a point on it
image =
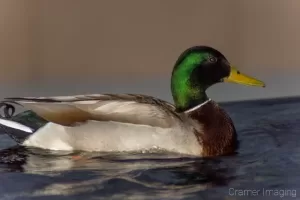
(237, 77)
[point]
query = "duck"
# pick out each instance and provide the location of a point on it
(193, 125)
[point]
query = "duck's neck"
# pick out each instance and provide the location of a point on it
(187, 97)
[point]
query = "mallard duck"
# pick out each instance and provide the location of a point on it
(194, 125)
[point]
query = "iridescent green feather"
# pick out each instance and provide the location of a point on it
(182, 89)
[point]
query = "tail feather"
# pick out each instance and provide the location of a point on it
(15, 130)
(15, 125)
(20, 126)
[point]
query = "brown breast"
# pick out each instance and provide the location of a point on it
(219, 135)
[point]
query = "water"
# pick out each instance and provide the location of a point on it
(266, 165)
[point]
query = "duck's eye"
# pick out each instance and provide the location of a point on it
(212, 59)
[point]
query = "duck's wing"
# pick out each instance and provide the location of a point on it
(126, 108)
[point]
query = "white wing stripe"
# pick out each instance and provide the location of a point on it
(15, 125)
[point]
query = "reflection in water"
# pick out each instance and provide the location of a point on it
(98, 173)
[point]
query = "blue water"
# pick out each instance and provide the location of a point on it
(265, 167)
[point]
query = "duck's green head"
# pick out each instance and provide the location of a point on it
(198, 68)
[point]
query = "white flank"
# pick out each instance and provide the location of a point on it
(51, 136)
(114, 136)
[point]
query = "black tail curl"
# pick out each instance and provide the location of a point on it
(8, 109)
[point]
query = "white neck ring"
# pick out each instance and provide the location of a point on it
(198, 106)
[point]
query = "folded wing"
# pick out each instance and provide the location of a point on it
(126, 108)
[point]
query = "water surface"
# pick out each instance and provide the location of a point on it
(266, 165)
